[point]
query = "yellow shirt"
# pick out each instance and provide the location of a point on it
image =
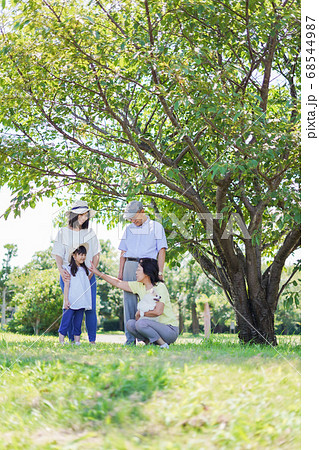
(168, 317)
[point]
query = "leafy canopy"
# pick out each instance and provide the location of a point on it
(193, 106)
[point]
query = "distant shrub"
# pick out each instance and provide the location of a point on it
(110, 324)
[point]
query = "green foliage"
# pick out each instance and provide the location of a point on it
(288, 314)
(111, 324)
(191, 107)
(291, 288)
(222, 314)
(37, 301)
(288, 320)
(89, 88)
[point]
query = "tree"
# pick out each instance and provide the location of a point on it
(111, 299)
(4, 273)
(38, 301)
(221, 312)
(288, 314)
(187, 285)
(193, 106)
(186, 293)
(41, 260)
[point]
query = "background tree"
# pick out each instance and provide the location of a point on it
(38, 302)
(192, 105)
(220, 312)
(288, 314)
(111, 299)
(11, 251)
(41, 260)
(187, 286)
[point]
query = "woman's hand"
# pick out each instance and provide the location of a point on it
(95, 262)
(137, 315)
(65, 275)
(93, 269)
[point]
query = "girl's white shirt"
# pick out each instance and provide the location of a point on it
(80, 289)
(66, 239)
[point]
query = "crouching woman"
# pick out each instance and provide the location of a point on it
(159, 325)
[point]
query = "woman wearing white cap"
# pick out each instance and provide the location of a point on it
(72, 236)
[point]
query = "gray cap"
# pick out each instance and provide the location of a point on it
(132, 208)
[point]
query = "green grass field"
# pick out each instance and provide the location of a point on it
(213, 395)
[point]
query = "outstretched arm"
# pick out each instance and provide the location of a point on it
(111, 280)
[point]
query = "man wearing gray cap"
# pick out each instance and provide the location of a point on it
(142, 238)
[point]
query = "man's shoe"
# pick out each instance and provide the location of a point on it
(130, 343)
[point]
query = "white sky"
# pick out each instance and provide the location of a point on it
(34, 230)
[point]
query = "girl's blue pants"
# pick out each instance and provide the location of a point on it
(74, 315)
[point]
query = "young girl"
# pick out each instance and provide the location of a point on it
(77, 293)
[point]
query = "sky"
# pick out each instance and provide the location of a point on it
(34, 230)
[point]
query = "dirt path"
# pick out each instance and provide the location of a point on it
(111, 338)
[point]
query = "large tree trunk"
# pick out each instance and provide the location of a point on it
(255, 321)
(254, 316)
(253, 296)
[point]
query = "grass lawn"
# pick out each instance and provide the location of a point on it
(213, 395)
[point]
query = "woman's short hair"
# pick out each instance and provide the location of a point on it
(73, 218)
(150, 268)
